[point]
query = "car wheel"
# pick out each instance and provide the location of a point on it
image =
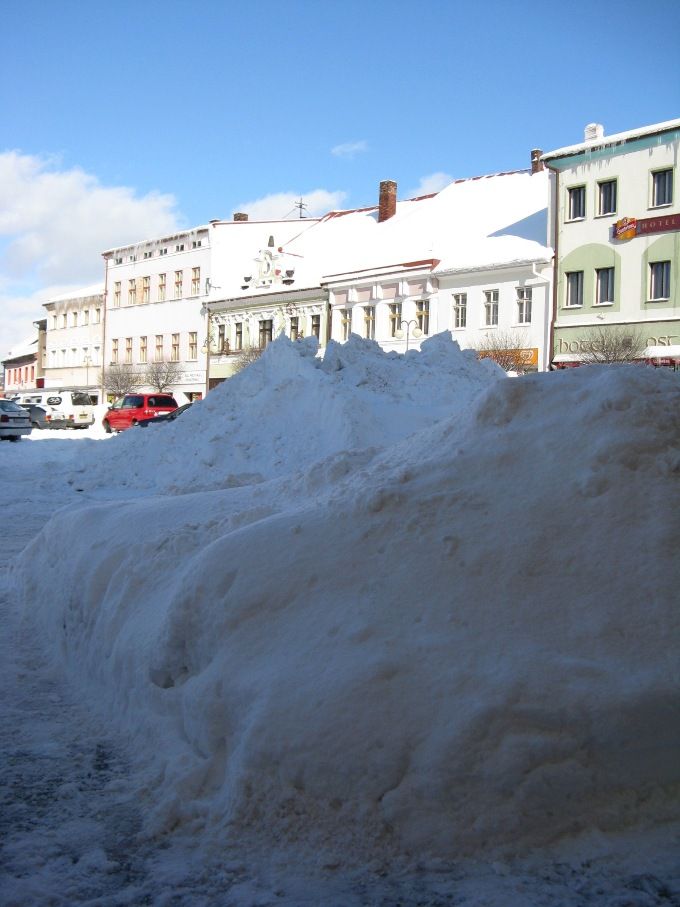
(134, 421)
(14, 438)
(107, 427)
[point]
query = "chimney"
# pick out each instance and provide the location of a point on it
(387, 205)
(240, 216)
(593, 132)
(536, 162)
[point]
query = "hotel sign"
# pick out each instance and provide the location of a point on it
(628, 227)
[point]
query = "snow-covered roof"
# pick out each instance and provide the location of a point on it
(25, 348)
(95, 289)
(471, 223)
(617, 139)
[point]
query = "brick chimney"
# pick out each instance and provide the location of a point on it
(387, 204)
(240, 216)
(536, 162)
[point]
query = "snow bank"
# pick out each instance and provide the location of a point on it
(459, 645)
(290, 409)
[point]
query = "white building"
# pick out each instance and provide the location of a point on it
(470, 259)
(155, 291)
(615, 214)
(74, 340)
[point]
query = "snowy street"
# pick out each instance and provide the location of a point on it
(256, 657)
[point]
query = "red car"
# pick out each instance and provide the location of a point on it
(133, 407)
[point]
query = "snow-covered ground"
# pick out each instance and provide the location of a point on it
(366, 630)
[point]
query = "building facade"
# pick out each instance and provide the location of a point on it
(74, 337)
(155, 291)
(615, 218)
(23, 367)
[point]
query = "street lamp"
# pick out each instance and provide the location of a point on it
(417, 333)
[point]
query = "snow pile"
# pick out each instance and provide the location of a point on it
(290, 409)
(460, 645)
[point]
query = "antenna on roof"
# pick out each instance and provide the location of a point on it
(301, 206)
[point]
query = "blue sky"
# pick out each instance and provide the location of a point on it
(176, 113)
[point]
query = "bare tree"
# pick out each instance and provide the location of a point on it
(606, 345)
(507, 349)
(162, 374)
(122, 379)
(246, 357)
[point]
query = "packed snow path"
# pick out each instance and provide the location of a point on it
(68, 820)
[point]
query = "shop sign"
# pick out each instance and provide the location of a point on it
(628, 227)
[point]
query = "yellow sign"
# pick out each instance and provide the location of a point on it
(626, 228)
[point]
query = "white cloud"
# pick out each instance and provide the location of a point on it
(350, 149)
(282, 204)
(54, 224)
(435, 182)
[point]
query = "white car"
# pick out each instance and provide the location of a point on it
(14, 421)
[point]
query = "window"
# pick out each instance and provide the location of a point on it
(158, 356)
(606, 197)
(266, 327)
(195, 281)
(146, 289)
(660, 280)
(97, 316)
(193, 345)
(459, 310)
(238, 342)
(491, 308)
(64, 320)
(174, 352)
(116, 294)
(86, 316)
(574, 288)
(369, 322)
(114, 351)
(423, 315)
(128, 350)
(118, 261)
(179, 248)
(142, 350)
(604, 286)
(196, 244)
(161, 287)
(178, 284)
(346, 322)
(221, 337)
(132, 291)
(662, 188)
(74, 319)
(523, 305)
(577, 203)
(395, 318)
(148, 254)
(294, 327)
(162, 251)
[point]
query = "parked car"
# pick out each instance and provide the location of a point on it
(64, 408)
(133, 407)
(38, 415)
(14, 421)
(164, 417)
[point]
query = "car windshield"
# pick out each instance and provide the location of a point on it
(8, 407)
(162, 400)
(78, 399)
